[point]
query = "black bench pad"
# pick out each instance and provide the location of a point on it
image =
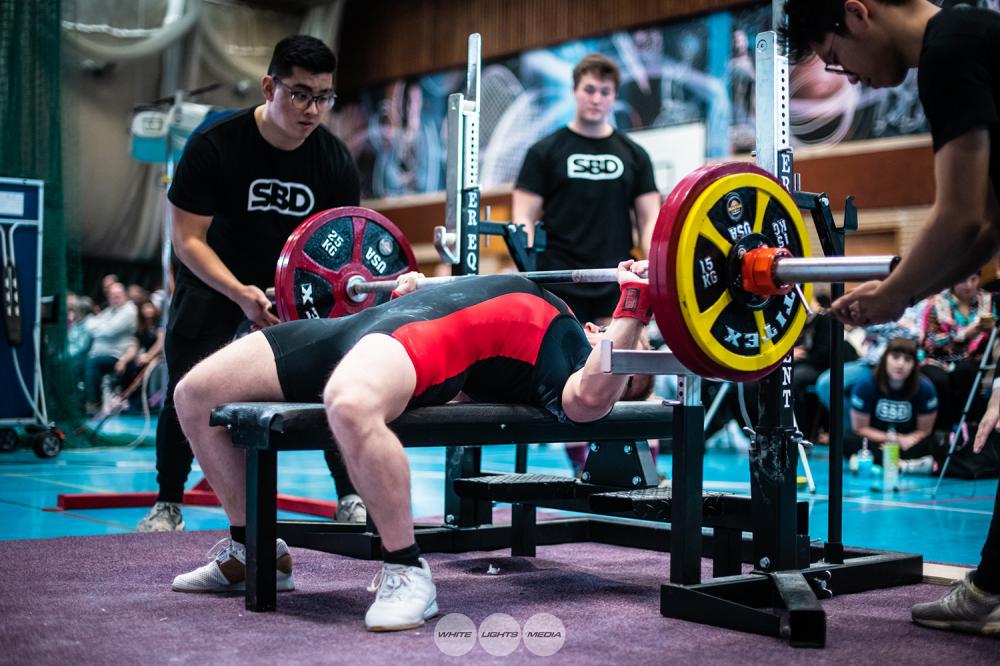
(283, 426)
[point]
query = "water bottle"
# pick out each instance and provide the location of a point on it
(890, 462)
(865, 460)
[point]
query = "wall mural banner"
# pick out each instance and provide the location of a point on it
(699, 70)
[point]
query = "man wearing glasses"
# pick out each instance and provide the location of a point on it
(243, 184)
(957, 54)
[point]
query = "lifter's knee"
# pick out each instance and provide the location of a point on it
(351, 411)
(192, 398)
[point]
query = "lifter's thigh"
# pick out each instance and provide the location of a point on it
(376, 379)
(241, 371)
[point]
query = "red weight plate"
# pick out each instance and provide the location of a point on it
(326, 251)
(663, 272)
(666, 306)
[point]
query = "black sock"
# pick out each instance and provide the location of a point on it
(408, 556)
(239, 534)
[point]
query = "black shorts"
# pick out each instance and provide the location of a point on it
(307, 351)
(305, 354)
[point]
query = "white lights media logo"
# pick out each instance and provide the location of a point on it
(544, 634)
(500, 634)
(455, 634)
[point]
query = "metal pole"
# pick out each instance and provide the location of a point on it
(834, 538)
(793, 270)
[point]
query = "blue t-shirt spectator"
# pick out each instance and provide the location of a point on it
(893, 409)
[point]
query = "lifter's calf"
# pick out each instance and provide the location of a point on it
(222, 464)
(375, 460)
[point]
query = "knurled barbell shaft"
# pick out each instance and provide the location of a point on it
(542, 277)
(789, 270)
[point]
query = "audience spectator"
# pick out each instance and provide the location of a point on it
(145, 347)
(106, 282)
(78, 308)
(111, 331)
(137, 294)
(895, 396)
(957, 326)
(876, 340)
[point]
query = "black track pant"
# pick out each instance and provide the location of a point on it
(988, 575)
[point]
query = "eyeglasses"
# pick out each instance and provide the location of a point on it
(301, 100)
(835, 69)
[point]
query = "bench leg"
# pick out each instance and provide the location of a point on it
(522, 527)
(262, 517)
(686, 482)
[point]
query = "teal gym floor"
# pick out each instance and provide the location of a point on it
(949, 528)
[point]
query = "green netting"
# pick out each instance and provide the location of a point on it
(31, 146)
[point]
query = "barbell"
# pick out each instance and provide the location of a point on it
(728, 250)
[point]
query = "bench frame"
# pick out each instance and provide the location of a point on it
(777, 521)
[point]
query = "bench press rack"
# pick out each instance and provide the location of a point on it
(779, 597)
(788, 573)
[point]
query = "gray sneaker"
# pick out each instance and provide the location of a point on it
(163, 517)
(351, 509)
(965, 608)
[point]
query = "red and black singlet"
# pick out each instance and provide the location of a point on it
(498, 338)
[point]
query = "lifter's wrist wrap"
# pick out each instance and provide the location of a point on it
(634, 302)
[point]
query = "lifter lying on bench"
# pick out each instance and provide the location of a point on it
(498, 339)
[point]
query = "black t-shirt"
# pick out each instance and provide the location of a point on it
(589, 187)
(258, 194)
(959, 77)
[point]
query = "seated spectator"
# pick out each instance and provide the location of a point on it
(895, 396)
(137, 294)
(957, 326)
(106, 283)
(876, 340)
(78, 309)
(111, 332)
(145, 347)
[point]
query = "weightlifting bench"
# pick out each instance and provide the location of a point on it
(622, 484)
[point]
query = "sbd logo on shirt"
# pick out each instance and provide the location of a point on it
(285, 198)
(893, 411)
(594, 167)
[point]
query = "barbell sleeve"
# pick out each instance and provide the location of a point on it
(793, 270)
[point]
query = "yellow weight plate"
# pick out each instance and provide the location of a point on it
(729, 333)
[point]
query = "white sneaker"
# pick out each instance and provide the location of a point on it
(351, 509)
(921, 465)
(163, 517)
(405, 598)
(227, 572)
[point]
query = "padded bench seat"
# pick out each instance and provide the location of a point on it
(284, 426)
